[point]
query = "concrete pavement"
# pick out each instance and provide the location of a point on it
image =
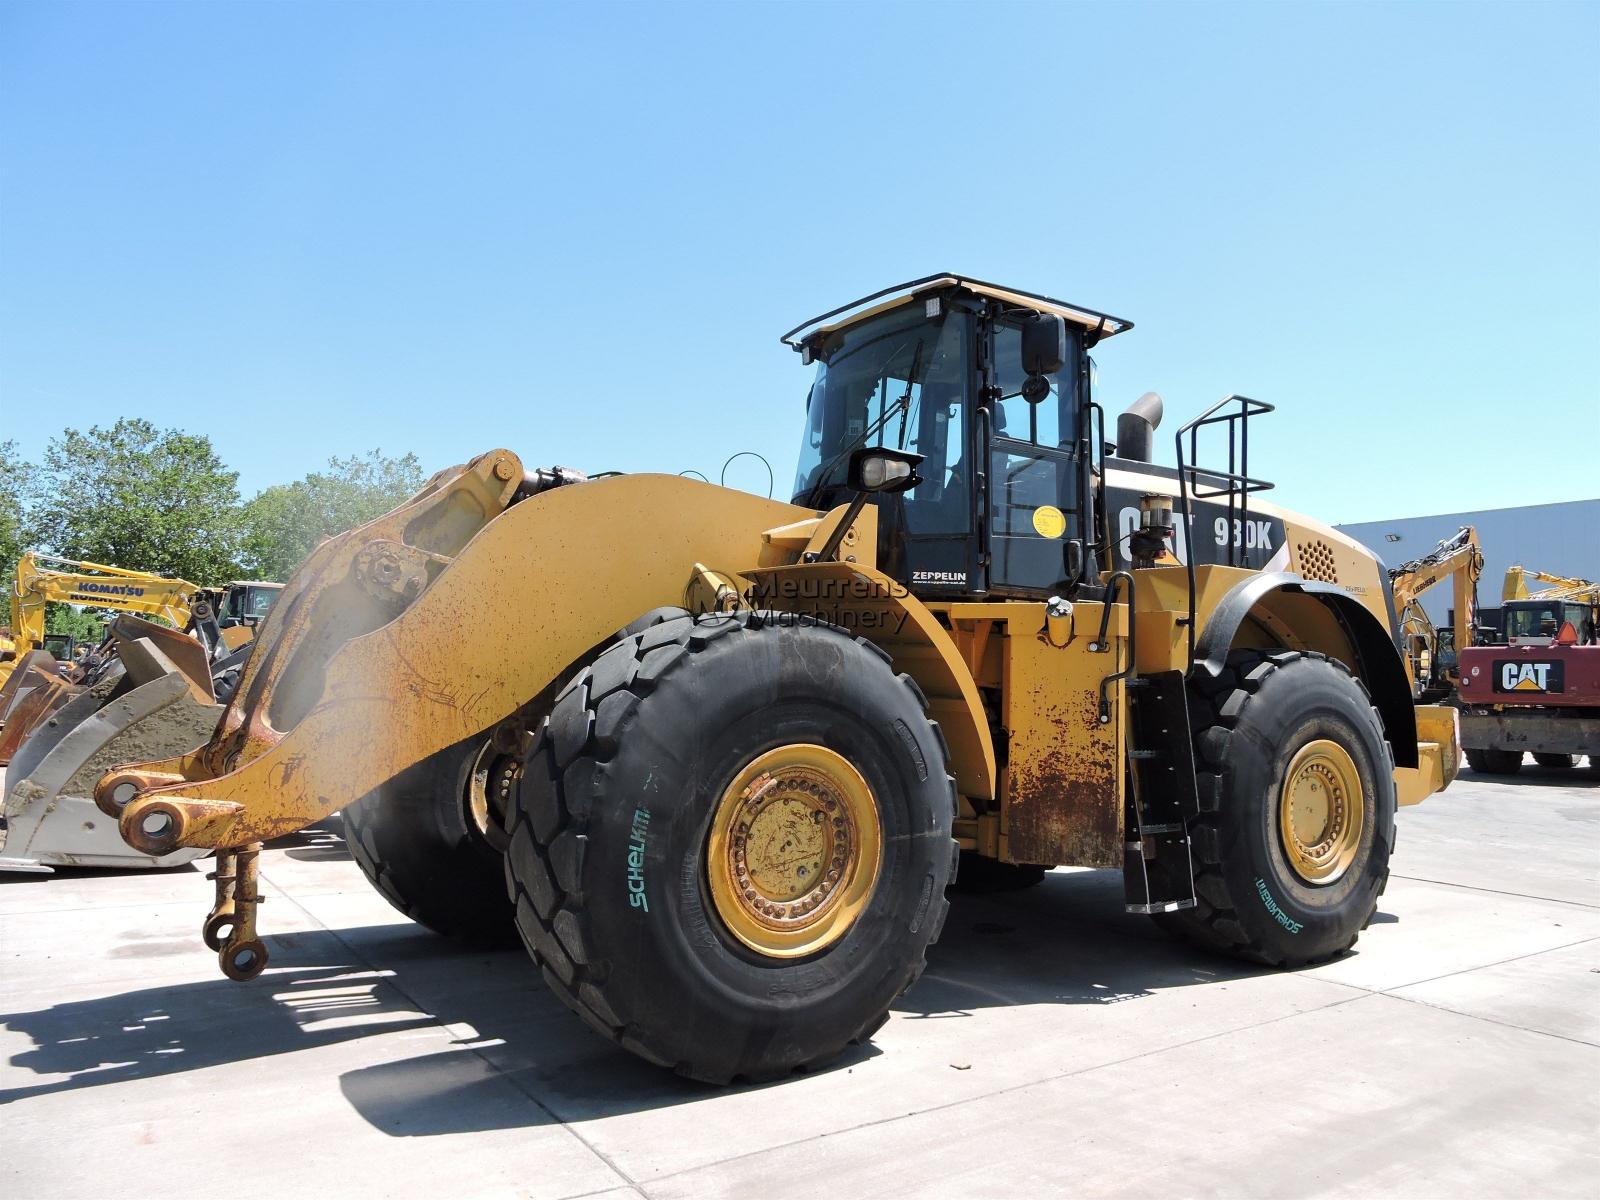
(1054, 1043)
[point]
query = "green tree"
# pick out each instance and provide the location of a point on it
(84, 624)
(283, 524)
(16, 480)
(140, 497)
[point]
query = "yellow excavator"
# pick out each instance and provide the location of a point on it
(718, 762)
(148, 687)
(1431, 654)
(42, 579)
(222, 618)
(1515, 585)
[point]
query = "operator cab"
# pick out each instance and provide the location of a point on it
(59, 646)
(1545, 622)
(990, 386)
(247, 603)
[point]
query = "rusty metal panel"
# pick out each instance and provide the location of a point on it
(1064, 777)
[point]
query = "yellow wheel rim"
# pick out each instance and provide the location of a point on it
(1321, 811)
(491, 784)
(794, 851)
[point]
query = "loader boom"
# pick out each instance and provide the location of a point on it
(360, 671)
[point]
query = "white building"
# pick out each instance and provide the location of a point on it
(1562, 539)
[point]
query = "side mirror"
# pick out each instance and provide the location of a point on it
(1044, 344)
(876, 469)
(1044, 352)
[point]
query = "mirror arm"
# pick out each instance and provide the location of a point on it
(830, 548)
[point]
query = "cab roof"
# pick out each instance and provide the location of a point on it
(1100, 325)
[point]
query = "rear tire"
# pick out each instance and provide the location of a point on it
(1495, 762)
(1556, 762)
(1252, 726)
(620, 799)
(413, 840)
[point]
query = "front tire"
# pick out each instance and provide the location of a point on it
(1556, 762)
(731, 841)
(416, 840)
(1297, 801)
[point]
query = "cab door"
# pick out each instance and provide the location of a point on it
(1037, 473)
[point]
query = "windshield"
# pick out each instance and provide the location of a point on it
(895, 381)
(258, 600)
(251, 603)
(1533, 620)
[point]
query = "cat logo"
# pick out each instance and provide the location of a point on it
(1539, 677)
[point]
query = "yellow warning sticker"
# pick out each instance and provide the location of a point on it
(1048, 521)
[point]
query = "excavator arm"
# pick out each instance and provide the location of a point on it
(1458, 559)
(1562, 587)
(90, 584)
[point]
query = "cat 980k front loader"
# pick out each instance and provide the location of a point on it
(715, 758)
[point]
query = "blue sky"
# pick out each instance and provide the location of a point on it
(577, 230)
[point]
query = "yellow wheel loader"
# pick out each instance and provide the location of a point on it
(719, 762)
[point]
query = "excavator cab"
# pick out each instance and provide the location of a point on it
(247, 603)
(59, 646)
(1541, 622)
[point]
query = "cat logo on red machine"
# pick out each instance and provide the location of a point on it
(1512, 676)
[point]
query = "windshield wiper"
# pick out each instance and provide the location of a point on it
(902, 406)
(905, 401)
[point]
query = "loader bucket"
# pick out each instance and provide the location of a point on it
(50, 815)
(34, 691)
(154, 696)
(155, 699)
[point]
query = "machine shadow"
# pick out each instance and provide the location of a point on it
(1533, 775)
(191, 1026)
(505, 1053)
(1065, 941)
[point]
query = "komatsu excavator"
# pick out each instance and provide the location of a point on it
(719, 762)
(43, 579)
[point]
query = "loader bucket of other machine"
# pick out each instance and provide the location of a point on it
(35, 690)
(155, 700)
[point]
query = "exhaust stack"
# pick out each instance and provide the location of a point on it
(1136, 426)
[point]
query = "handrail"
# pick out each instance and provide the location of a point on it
(1235, 483)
